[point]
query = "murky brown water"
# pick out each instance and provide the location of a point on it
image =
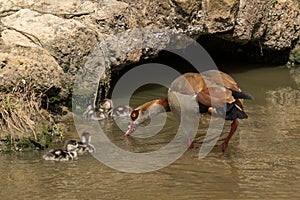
(262, 162)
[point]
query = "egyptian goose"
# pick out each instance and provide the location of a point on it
(212, 91)
(68, 153)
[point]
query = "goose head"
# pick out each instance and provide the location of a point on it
(142, 114)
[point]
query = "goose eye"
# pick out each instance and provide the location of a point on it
(134, 115)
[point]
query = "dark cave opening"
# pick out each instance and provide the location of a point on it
(228, 56)
(226, 52)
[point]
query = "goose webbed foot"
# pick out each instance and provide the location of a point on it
(224, 146)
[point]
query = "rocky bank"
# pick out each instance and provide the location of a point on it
(44, 43)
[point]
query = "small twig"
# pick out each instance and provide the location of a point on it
(261, 49)
(28, 35)
(64, 15)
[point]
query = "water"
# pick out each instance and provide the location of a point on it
(262, 162)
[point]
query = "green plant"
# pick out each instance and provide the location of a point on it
(59, 133)
(8, 105)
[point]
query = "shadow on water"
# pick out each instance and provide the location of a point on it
(262, 162)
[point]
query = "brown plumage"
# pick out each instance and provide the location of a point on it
(214, 91)
(202, 84)
(163, 102)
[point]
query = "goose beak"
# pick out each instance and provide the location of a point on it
(131, 129)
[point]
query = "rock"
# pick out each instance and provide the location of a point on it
(118, 50)
(29, 63)
(295, 55)
(185, 6)
(283, 25)
(65, 32)
(251, 20)
(220, 15)
(13, 37)
(66, 39)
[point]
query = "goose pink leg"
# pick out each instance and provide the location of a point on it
(190, 143)
(234, 126)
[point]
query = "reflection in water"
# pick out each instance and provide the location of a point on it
(262, 162)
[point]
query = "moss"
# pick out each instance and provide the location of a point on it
(273, 1)
(8, 143)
